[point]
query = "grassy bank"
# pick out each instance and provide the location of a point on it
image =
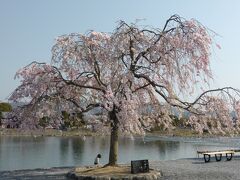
(46, 132)
(178, 132)
(186, 132)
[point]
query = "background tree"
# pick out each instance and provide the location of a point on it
(122, 71)
(4, 107)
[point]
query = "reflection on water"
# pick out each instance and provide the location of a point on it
(44, 152)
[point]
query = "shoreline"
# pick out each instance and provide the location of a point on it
(81, 132)
(187, 169)
(46, 132)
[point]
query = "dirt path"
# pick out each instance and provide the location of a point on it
(183, 169)
(37, 174)
(191, 169)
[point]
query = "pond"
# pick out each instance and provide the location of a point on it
(45, 152)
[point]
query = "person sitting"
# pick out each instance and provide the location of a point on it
(96, 161)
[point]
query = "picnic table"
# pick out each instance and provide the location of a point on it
(218, 154)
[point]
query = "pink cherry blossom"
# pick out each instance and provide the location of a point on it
(124, 72)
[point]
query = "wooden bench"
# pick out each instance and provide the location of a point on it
(218, 155)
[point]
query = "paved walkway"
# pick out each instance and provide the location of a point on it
(36, 174)
(183, 169)
(194, 169)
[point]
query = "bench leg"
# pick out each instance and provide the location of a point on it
(207, 158)
(218, 158)
(229, 157)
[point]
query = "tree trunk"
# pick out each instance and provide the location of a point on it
(113, 153)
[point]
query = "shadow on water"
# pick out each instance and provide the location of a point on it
(71, 150)
(138, 148)
(167, 147)
(77, 148)
(64, 148)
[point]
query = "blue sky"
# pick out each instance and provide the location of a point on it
(28, 29)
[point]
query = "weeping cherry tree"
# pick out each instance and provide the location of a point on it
(123, 71)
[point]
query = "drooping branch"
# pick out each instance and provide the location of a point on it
(117, 70)
(224, 89)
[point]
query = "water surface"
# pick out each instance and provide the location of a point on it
(45, 152)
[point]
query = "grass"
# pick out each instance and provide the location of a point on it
(180, 132)
(45, 132)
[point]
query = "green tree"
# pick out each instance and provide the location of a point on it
(4, 107)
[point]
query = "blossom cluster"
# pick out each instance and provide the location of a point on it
(122, 71)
